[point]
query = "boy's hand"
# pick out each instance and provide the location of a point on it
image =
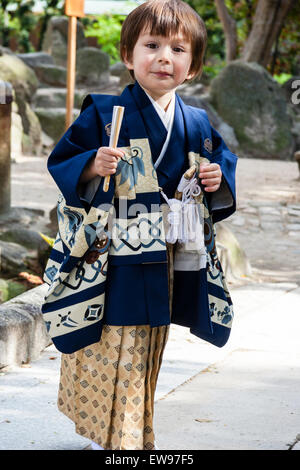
(211, 176)
(106, 160)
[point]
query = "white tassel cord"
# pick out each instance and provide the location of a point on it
(184, 219)
(174, 219)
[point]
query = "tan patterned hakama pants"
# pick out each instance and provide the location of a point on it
(107, 389)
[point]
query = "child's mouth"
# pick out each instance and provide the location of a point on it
(162, 74)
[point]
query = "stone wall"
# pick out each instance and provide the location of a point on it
(23, 335)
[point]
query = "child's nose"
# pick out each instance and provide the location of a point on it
(164, 54)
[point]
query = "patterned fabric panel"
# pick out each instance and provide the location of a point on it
(135, 171)
(70, 221)
(144, 233)
(65, 319)
(75, 298)
(81, 277)
(55, 260)
(196, 159)
(73, 239)
(220, 302)
(78, 237)
(221, 312)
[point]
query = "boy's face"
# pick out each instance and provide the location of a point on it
(160, 64)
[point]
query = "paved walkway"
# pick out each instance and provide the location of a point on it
(248, 397)
(242, 396)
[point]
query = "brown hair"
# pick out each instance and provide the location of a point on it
(165, 18)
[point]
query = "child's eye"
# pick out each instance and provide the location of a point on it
(151, 45)
(178, 49)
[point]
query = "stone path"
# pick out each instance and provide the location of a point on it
(267, 221)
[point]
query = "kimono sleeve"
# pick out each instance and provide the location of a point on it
(222, 203)
(74, 151)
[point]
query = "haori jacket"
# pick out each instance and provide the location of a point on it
(130, 215)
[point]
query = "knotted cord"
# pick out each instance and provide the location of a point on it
(185, 225)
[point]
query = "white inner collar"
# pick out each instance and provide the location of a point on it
(165, 116)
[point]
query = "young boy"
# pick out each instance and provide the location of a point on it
(108, 383)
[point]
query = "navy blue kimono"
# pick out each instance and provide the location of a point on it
(136, 293)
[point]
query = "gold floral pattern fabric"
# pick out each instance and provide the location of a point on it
(107, 389)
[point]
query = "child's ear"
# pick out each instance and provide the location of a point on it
(127, 62)
(190, 75)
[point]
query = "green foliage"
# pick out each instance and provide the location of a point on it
(285, 59)
(282, 78)
(107, 29)
(10, 288)
(243, 13)
(288, 57)
(215, 43)
(15, 288)
(211, 71)
(18, 21)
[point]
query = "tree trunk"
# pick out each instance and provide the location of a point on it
(267, 23)
(229, 27)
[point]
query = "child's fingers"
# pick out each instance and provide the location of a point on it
(109, 151)
(109, 161)
(109, 167)
(209, 168)
(211, 189)
(106, 161)
(210, 174)
(211, 181)
(102, 171)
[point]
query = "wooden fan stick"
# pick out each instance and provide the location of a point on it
(117, 117)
